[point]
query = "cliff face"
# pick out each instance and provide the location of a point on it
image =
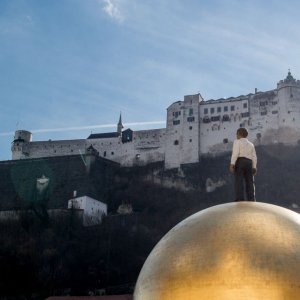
(61, 254)
(276, 181)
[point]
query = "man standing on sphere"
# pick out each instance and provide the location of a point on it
(243, 165)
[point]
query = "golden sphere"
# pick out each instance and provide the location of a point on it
(233, 251)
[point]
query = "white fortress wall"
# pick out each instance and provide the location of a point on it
(52, 148)
(110, 148)
(289, 108)
(146, 146)
(149, 146)
(219, 121)
(174, 136)
(194, 127)
(264, 117)
(190, 150)
(183, 139)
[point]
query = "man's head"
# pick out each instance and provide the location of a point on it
(241, 133)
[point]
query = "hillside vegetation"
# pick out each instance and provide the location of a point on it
(38, 258)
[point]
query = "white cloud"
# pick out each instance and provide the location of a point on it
(78, 128)
(111, 7)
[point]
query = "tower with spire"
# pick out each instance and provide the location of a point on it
(120, 125)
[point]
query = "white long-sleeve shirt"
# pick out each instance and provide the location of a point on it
(243, 148)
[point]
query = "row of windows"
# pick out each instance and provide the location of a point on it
(225, 109)
(263, 113)
(225, 118)
(176, 142)
(207, 119)
(176, 114)
(265, 103)
(189, 119)
(104, 153)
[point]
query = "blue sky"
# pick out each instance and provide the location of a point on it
(68, 67)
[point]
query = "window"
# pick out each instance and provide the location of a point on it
(225, 118)
(225, 141)
(104, 154)
(190, 140)
(215, 127)
(206, 119)
(245, 114)
(215, 119)
(232, 107)
(176, 142)
(177, 113)
(191, 112)
(176, 122)
(225, 108)
(112, 153)
(274, 102)
(191, 119)
(275, 112)
(191, 127)
(205, 111)
(263, 113)
(212, 110)
(219, 109)
(245, 105)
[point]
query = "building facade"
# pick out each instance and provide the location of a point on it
(194, 127)
(93, 210)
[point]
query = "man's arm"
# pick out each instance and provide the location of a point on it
(254, 161)
(235, 155)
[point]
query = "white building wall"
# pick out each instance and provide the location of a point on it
(109, 148)
(190, 150)
(219, 121)
(264, 116)
(51, 148)
(148, 146)
(174, 135)
(93, 210)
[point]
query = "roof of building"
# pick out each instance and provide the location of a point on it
(115, 297)
(103, 135)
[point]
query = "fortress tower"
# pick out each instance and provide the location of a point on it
(182, 133)
(20, 139)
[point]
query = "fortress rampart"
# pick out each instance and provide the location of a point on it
(194, 127)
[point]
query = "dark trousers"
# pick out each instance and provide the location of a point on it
(244, 176)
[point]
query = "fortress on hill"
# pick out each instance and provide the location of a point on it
(194, 127)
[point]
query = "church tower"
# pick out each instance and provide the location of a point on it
(120, 125)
